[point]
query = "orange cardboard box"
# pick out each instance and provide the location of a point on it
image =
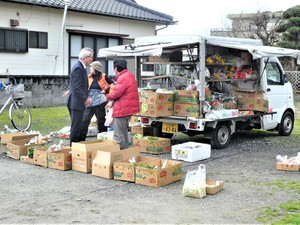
(125, 170)
(186, 97)
(84, 152)
(103, 161)
(153, 145)
(156, 110)
(212, 186)
(26, 159)
(16, 149)
(60, 160)
(152, 173)
(287, 166)
(188, 110)
(151, 97)
(40, 157)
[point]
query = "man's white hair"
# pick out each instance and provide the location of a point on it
(85, 52)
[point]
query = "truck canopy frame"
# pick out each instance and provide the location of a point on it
(155, 45)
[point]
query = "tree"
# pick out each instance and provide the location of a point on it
(260, 25)
(265, 25)
(290, 29)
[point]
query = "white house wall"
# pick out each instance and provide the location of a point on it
(42, 19)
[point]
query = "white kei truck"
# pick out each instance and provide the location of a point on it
(225, 67)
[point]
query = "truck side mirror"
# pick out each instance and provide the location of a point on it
(285, 78)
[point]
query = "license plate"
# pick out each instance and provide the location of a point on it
(170, 128)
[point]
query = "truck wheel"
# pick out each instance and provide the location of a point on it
(287, 124)
(221, 136)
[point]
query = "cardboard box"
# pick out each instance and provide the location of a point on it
(5, 138)
(26, 159)
(60, 160)
(257, 104)
(153, 145)
(134, 120)
(158, 176)
(187, 110)
(230, 105)
(212, 186)
(40, 157)
(288, 166)
(124, 170)
(254, 100)
(16, 149)
(186, 97)
(83, 153)
(156, 110)
(103, 161)
(151, 97)
(191, 151)
(144, 131)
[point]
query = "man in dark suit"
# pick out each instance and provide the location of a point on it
(78, 93)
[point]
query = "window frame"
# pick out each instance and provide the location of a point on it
(23, 41)
(38, 39)
(84, 36)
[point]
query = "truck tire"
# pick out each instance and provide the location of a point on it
(221, 136)
(286, 125)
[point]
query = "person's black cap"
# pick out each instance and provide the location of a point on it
(121, 63)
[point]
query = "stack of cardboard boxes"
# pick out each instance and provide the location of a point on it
(156, 104)
(186, 103)
(103, 158)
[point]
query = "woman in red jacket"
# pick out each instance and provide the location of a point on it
(125, 97)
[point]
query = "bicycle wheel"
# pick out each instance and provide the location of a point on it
(19, 115)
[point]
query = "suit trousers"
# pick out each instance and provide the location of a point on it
(99, 111)
(76, 125)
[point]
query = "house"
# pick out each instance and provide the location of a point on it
(245, 25)
(40, 39)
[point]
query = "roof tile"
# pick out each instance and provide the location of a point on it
(119, 8)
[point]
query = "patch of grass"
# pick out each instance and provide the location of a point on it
(44, 120)
(267, 215)
(290, 206)
(290, 185)
(288, 213)
(289, 219)
(50, 119)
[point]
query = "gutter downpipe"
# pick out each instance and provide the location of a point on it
(61, 34)
(166, 26)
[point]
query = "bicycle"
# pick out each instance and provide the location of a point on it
(19, 113)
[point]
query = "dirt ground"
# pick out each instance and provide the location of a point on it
(33, 194)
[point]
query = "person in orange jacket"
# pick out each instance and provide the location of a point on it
(98, 82)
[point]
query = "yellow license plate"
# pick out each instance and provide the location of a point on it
(170, 128)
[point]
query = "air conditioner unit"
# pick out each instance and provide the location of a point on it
(14, 23)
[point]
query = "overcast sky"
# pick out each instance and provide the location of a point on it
(198, 17)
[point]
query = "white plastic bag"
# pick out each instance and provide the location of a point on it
(108, 118)
(195, 184)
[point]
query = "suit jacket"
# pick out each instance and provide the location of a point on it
(78, 90)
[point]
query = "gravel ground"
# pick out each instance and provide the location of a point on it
(32, 194)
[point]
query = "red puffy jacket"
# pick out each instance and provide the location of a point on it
(125, 95)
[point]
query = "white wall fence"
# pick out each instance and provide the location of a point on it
(294, 78)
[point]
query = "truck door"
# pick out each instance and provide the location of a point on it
(276, 92)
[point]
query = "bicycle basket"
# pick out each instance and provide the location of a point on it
(16, 91)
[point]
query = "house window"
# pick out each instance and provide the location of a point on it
(95, 42)
(38, 39)
(13, 40)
